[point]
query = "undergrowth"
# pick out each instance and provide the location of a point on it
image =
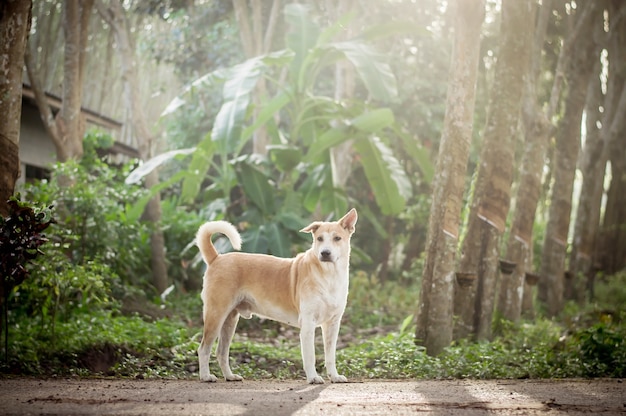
(587, 342)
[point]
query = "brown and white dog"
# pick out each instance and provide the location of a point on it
(307, 291)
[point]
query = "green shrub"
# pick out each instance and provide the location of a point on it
(138, 346)
(91, 201)
(59, 289)
(600, 351)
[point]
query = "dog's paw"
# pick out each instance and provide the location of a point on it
(315, 380)
(234, 377)
(210, 378)
(338, 379)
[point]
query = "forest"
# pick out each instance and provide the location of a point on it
(481, 141)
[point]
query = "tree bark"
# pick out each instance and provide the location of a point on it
(492, 193)
(587, 220)
(513, 287)
(15, 18)
(566, 154)
(115, 16)
(612, 249)
(67, 128)
(69, 120)
(434, 322)
(614, 225)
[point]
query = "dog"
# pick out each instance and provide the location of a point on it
(306, 291)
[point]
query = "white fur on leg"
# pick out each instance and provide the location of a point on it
(204, 352)
(223, 347)
(307, 346)
(330, 333)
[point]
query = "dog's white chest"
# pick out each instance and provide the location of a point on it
(327, 300)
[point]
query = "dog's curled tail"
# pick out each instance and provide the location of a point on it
(203, 238)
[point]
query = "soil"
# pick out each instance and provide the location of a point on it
(22, 396)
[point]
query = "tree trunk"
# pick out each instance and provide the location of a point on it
(14, 28)
(492, 193)
(592, 166)
(612, 249)
(342, 154)
(566, 154)
(115, 16)
(515, 293)
(257, 41)
(614, 225)
(434, 323)
(67, 128)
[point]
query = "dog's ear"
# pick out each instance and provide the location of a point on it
(348, 221)
(311, 228)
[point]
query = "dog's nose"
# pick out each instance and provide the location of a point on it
(325, 255)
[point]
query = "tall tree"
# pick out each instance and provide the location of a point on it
(491, 197)
(614, 225)
(341, 155)
(434, 323)
(116, 17)
(14, 27)
(67, 127)
(612, 251)
(576, 75)
(592, 165)
(256, 39)
(536, 130)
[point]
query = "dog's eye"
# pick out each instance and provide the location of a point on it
(320, 239)
(337, 238)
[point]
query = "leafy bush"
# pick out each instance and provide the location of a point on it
(131, 339)
(60, 289)
(91, 200)
(21, 236)
(601, 350)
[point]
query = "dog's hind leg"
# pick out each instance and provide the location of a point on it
(209, 336)
(223, 346)
(330, 333)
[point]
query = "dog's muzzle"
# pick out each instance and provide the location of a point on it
(326, 256)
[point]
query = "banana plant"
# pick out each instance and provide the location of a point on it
(297, 172)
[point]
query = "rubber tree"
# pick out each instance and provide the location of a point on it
(567, 146)
(435, 309)
(612, 252)
(492, 189)
(536, 132)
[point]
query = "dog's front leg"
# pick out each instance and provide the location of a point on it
(307, 346)
(330, 333)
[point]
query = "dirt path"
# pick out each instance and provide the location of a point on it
(276, 398)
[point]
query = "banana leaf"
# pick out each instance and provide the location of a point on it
(386, 176)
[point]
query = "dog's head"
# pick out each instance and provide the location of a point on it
(331, 240)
